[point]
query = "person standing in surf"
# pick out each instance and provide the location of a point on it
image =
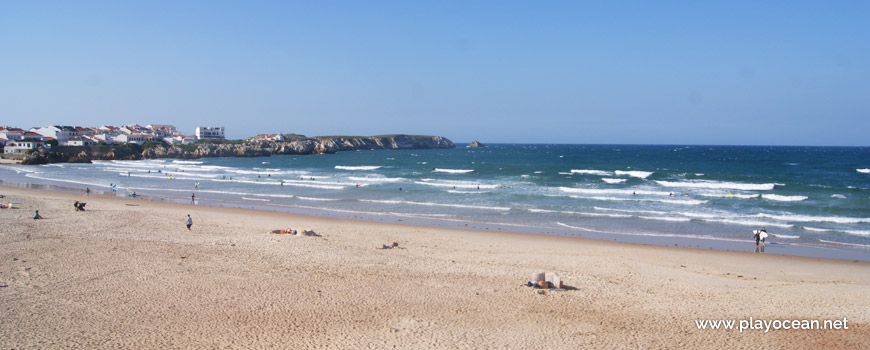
(762, 235)
(756, 234)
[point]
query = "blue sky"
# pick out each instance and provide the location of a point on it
(670, 72)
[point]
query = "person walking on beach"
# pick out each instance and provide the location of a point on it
(193, 198)
(88, 191)
(189, 222)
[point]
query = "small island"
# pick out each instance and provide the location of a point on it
(475, 144)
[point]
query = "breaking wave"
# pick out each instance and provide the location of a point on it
(358, 167)
(452, 171)
(718, 185)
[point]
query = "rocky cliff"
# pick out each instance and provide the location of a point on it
(314, 145)
(301, 146)
(81, 154)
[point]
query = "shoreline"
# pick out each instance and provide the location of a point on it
(830, 251)
(119, 275)
(137, 202)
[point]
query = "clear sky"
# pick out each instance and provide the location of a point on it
(659, 72)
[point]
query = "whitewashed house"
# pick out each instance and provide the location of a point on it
(213, 133)
(135, 138)
(269, 137)
(18, 149)
(82, 141)
(180, 140)
(61, 133)
(12, 134)
(162, 130)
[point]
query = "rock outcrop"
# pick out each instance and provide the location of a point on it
(475, 144)
(314, 145)
(81, 154)
(297, 146)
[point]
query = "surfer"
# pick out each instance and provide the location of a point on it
(760, 236)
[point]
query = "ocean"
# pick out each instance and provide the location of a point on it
(810, 199)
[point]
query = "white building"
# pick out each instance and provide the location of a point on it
(12, 134)
(214, 133)
(162, 130)
(101, 138)
(135, 138)
(268, 137)
(82, 141)
(17, 149)
(180, 140)
(60, 133)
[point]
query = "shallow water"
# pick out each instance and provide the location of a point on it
(804, 196)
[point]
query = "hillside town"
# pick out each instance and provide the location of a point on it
(17, 142)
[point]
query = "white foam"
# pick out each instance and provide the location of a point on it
(358, 167)
(743, 222)
(717, 185)
(808, 218)
(317, 199)
(176, 161)
(578, 213)
(21, 170)
(465, 192)
(837, 195)
(457, 184)
(781, 198)
(778, 235)
(376, 179)
(590, 172)
(452, 171)
(665, 218)
(255, 199)
(729, 195)
(613, 181)
(436, 204)
(848, 244)
(600, 191)
(623, 199)
(858, 233)
(34, 176)
(650, 234)
(863, 171)
(634, 173)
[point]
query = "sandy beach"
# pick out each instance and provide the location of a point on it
(126, 273)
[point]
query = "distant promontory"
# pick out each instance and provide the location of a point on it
(296, 144)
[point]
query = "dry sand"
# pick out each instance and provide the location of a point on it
(121, 276)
